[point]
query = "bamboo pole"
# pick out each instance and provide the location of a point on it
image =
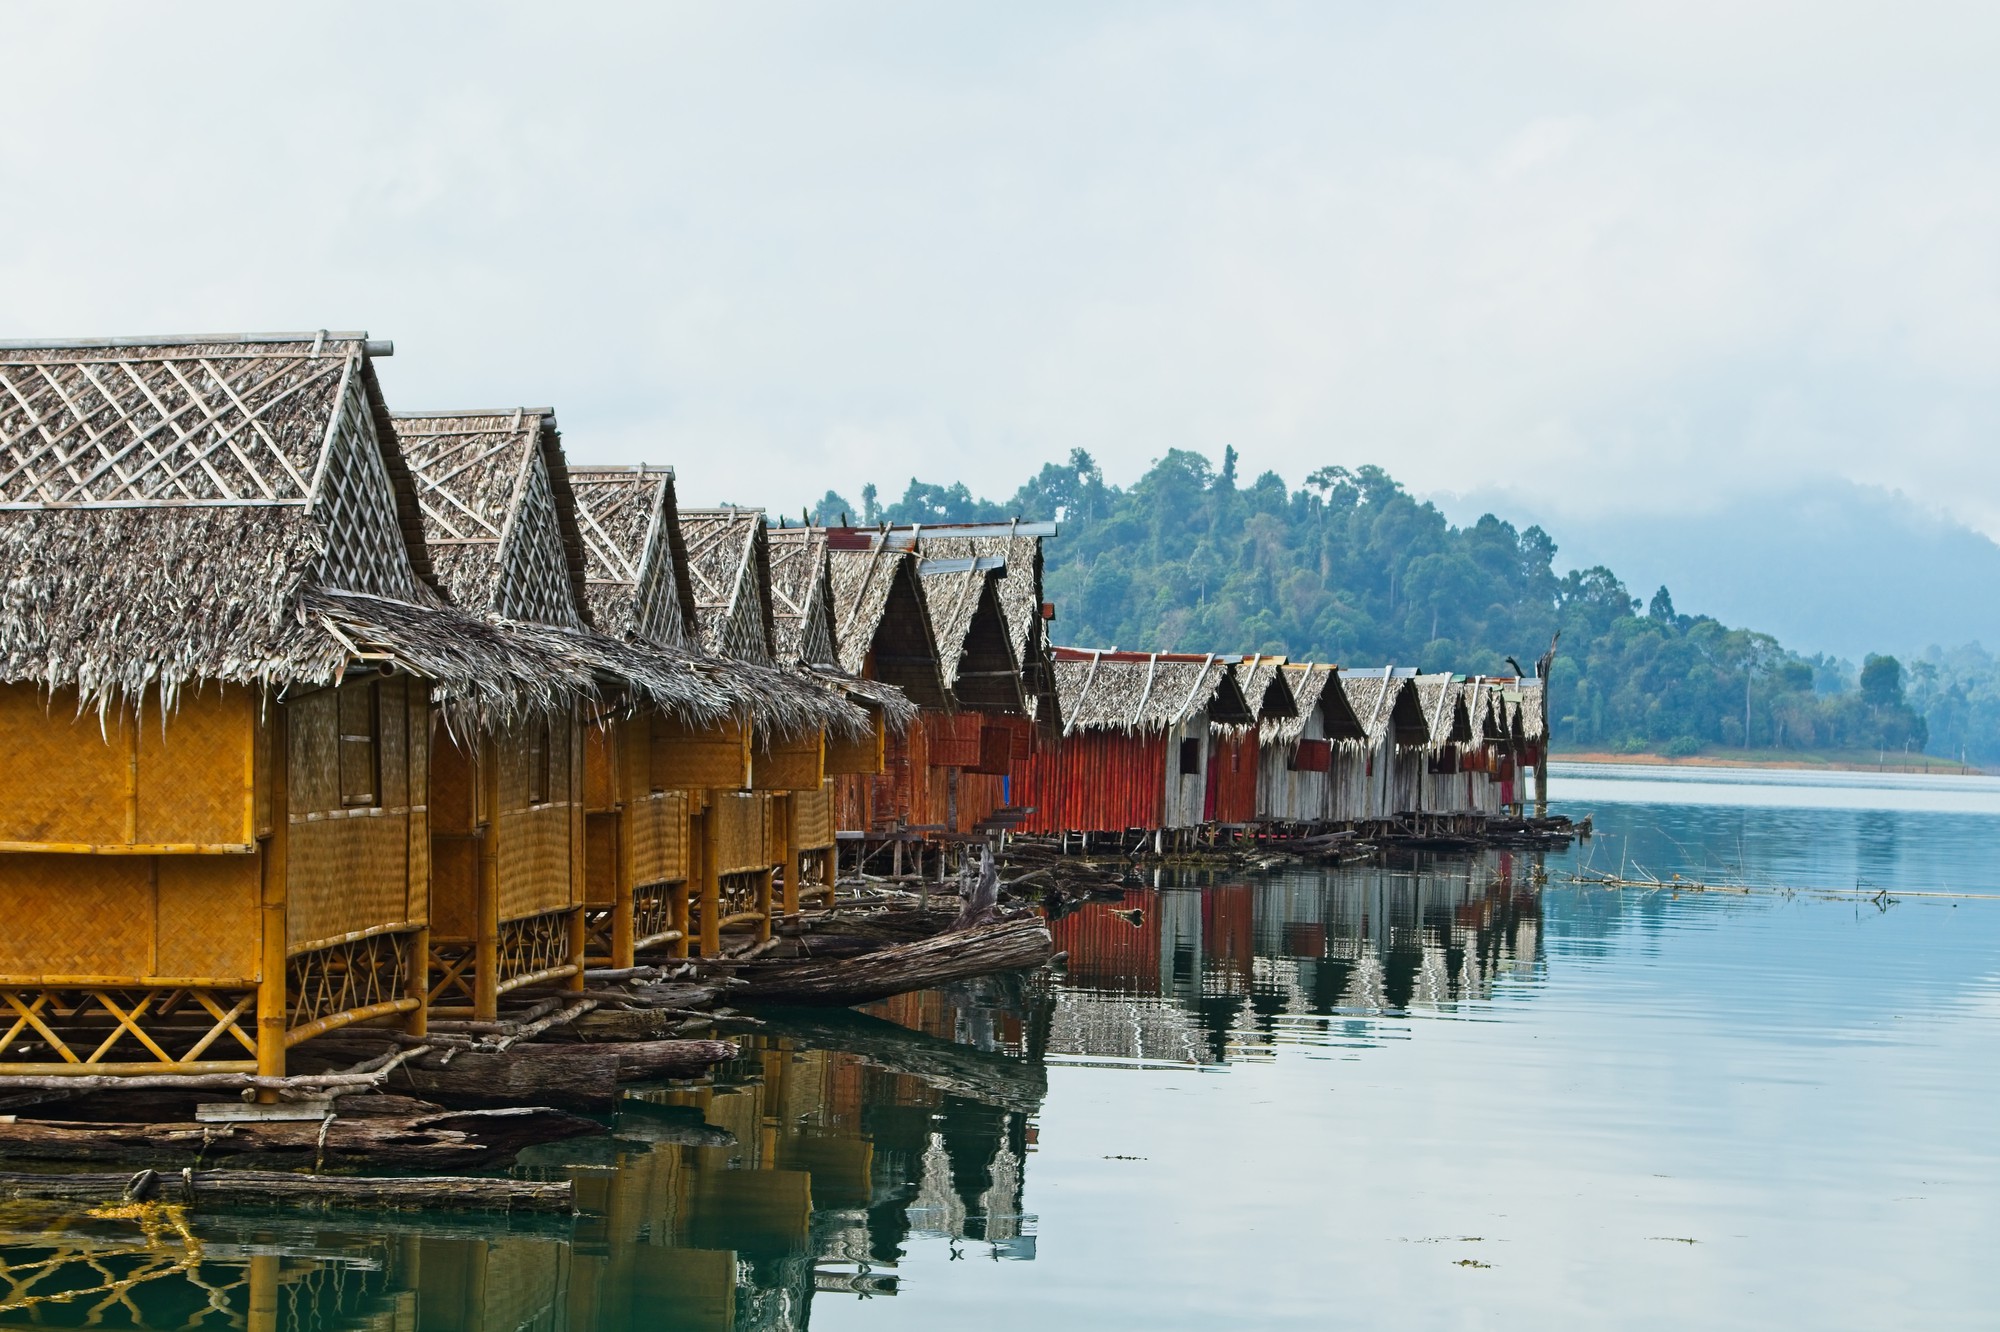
(417, 983)
(579, 874)
(629, 790)
(272, 1009)
(711, 879)
(795, 861)
(486, 942)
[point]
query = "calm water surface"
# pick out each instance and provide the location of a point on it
(1459, 1093)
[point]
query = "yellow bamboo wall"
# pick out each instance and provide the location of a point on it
(685, 758)
(659, 829)
(351, 870)
(812, 817)
(743, 832)
(125, 785)
(540, 844)
(790, 765)
(146, 918)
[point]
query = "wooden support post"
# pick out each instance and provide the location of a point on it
(795, 860)
(272, 1009)
(486, 942)
(579, 868)
(417, 984)
(632, 783)
(711, 879)
(766, 891)
(677, 906)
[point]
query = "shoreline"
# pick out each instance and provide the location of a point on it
(1802, 763)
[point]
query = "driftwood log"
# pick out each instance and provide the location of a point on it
(1009, 946)
(277, 1188)
(569, 1076)
(438, 1140)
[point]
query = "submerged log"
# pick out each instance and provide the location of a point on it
(571, 1076)
(959, 1070)
(896, 969)
(432, 1140)
(275, 1188)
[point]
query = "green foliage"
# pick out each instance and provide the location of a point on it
(1351, 568)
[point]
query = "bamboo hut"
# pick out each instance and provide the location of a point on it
(1297, 772)
(219, 651)
(804, 609)
(784, 749)
(1233, 763)
(641, 769)
(883, 632)
(509, 869)
(1135, 746)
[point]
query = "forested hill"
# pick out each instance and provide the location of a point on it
(1351, 568)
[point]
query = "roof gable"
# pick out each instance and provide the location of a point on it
(728, 564)
(882, 624)
(493, 489)
(802, 595)
(635, 566)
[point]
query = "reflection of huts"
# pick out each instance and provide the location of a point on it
(1298, 779)
(508, 862)
(883, 632)
(1233, 759)
(1134, 752)
(219, 649)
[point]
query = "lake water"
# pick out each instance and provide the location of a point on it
(1451, 1093)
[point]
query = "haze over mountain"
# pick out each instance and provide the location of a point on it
(1826, 565)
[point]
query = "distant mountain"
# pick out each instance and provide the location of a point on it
(1829, 567)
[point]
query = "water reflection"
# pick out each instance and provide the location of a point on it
(1205, 971)
(806, 1169)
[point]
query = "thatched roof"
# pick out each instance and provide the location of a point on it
(1443, 703)
(1386, 702)
(1266, 686)
(636, 583)
(728, 563)
(1531, 704)
(882, 623)
(975, 648)
(497, 512)
(1138, 692)
(802, 596)
(1017, 546)
(1314, 686)
(228, 508)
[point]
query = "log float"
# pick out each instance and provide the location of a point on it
(434, 1139)
(277, 1188)
(1011, 945)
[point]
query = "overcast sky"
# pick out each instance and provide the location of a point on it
(1628, 256)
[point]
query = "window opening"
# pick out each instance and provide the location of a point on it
(538, 763)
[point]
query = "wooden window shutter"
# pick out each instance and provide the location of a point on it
(1313, 756)
(360, 744)
(996, 748)
(538, 763)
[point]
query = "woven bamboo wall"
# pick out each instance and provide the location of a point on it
(538, 841)
(659, 826)
(856, 756)
(350, 869)
(685, 759)
(129, 917)
(743, 832)
(77, 783)
(600, 858)
(601, 779)
(812, 817)
(789, 765)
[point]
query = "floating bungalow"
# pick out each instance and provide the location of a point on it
(509, 865)
(1233, 765)
(882, 632)
(783, 747)
(221, 653)
(1135, 746)
(1298, 781)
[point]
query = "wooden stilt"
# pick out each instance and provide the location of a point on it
(272, 1009)
(711, 881)
(486, 942)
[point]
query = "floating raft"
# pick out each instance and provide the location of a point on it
(277, 1188)
(893, 969)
